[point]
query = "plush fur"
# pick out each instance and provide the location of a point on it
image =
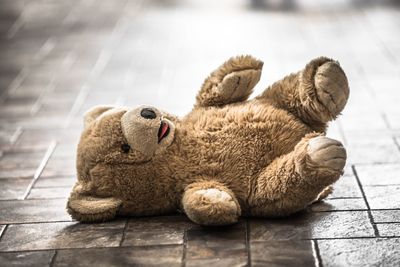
(228, 157)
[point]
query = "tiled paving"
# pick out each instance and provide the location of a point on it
(58, 58)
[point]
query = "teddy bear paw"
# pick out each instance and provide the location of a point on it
(331, 86)
(212, 206)
(327, 153)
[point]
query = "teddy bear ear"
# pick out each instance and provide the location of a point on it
(92, 209)
(93, 113)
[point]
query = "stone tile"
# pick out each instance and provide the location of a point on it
(346, 187)
(59, 235)
(60, 166)
(20, 163)
(389, 229)
(360, 252)
(161, 230)
(379, 174)
(216, 242)
(384, 216)
(13, 188)
(383, 197)
(282, 253)
(371, 148)
(339, 204)
(34, 259)
(47, 193)
(48, 182)
(306, 225)
(231, 262)
(29, 211)
(39, 138)
(137, 256)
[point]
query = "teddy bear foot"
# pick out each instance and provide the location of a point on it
(331, 87)
(327, 153)
(211, 207)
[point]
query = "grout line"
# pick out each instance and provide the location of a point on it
(183, 263)
(123, 232)
(41, 167)
(396, 143)
(316, 253)
(376, 231)
(53, 258)
(3, 231)
(248, 243)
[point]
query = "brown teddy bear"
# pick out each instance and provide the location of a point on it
(229, 156)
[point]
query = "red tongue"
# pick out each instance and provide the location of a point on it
(164, 129)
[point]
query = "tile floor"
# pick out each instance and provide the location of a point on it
(58, 58)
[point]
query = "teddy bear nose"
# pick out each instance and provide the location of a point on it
(148, 114)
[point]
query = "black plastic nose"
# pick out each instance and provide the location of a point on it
(148, 114)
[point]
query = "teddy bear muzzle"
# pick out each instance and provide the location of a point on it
(146, 130)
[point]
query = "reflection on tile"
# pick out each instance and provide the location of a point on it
(61, 235)
(36, 258)
(25, 211)
(137, 256)
(225, 242)
(282, 253)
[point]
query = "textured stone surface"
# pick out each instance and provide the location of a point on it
(137, 256)
(382, 216)
(346, 187)
(389, 229)
(46, 182)
(34, 259)
(338, 224)
(383, 197)
(379, 174)
(360, 252)
(61, 235)
(340, 204)
(282, 253)
(25, 211)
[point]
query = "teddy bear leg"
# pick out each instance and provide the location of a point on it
(316, 95)
(292, 182)
(232, 82)
(210, 203)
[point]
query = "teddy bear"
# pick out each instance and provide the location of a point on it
(229, 157)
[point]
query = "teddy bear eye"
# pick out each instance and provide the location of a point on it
(125, 148)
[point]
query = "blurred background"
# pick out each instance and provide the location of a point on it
(59, 58)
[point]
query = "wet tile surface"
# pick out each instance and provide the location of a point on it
(137, 256)
(276, 253)
(26, 211)
(57, 59)
(36, 258)
(61, 235)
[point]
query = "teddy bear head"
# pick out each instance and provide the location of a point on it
(127, 140)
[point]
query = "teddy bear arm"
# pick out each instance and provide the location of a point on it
(87, 208)
(210, 203)
(295, 180)
(232, 82)
(316, 95)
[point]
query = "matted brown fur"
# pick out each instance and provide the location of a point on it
(228, 157)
